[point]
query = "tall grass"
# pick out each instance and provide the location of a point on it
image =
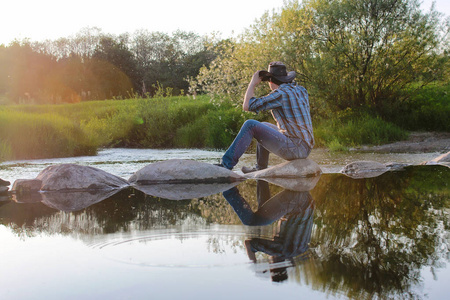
(26, 135)
(39, 131)
(353, 129)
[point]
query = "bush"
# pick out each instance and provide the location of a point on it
(354, 129)
(428, 108)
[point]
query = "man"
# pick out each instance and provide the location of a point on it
(292, 138)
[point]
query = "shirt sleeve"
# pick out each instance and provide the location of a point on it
(269, 102)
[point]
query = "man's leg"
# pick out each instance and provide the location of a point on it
(270, 139)
(262, 154)
(249, 130)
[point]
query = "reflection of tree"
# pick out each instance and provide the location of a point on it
(372, 236)
(124, 211)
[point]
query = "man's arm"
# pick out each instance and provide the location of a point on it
(251, 90)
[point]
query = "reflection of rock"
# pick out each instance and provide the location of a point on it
(291, 169)
(75, 200)
(183, 171)
(76, 177)
(4, 187)
(364, 169)
(3, 190)
(181, 191)
(295, 184)
(4, 198)
(28, 197)
(68, 187)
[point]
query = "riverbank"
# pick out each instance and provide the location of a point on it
(417, 142)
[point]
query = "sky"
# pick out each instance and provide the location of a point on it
(51, 19)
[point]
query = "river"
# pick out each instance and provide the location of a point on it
(386, 237)
(124, 162)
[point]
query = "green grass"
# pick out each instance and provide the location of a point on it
(41, 131)
(26, 135)
(354, 129)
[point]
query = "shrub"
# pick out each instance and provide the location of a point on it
(353, 129)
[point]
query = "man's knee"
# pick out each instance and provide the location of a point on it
(250, 123)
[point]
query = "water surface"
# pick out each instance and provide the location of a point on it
(383, 237)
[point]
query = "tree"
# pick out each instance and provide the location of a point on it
(348, 53)
(114, 58)
(167, 60)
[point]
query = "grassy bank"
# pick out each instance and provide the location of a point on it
(40, 131)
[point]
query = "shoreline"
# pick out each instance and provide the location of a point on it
(418, 142)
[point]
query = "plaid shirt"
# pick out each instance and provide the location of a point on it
(289, 105)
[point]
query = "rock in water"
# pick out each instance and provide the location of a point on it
(4, 182)
(76, 177)
(291, 169)
(183, 171)
(364, 169)
(24, 186)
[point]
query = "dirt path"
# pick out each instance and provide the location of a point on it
(418, 142)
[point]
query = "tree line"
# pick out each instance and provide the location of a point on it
(349, 54)
(94, 66)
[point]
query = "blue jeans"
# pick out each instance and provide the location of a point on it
(269, 140)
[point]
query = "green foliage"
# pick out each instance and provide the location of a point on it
(94, 65)
(428, 108)
(352, 129)
(217, 129)
(347, 53)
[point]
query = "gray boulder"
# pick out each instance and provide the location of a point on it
(298, 168)
(364, 169)
(4, 182)
(75, 177)
(183, 171)
(26, 186)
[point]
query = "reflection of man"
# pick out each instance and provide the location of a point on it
(294, 212)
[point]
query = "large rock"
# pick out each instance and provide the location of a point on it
(298, 168)
(183, 171)
(184, 191)
(75, 177)
(4, 182)
(364, 169)
(26, 186)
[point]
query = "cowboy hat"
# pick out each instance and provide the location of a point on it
(278, 71)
